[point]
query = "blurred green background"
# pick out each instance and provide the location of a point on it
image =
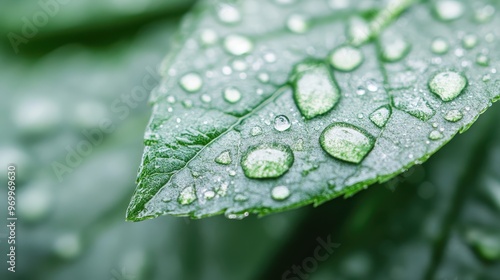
(440, 220)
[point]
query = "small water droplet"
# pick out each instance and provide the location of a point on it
(484, 13)
(240, 197)
(263, 77)
(267, 161)
(228, 13)
(483, 60)
(237, 44)
(297, 23)
(256, 130)
(469, 41)
(371, 85)
(208, 37)
(346, 142)
(187, 196)
(448, 85)
(380, 116)
(435, 135)
(232, 95)
(280, 193)
(448, 10)
(208, 195)
(224, 158)
(206, 98)
(360, 91)
(239, 65)
(440, 46)
(315, 92)
(346, 58)
(395, 49)
(270, 57)
(453, 116)
(187, 103)
(191, 82)
(281, 123)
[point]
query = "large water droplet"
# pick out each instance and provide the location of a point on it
(453, 116)
(380, 116)
(187, 196)
(267, 161)
(346, 142)
(228, 13)
(232, 95)
(413, 105)
(315, 92)
(297, 23)
(281, 123)
(191, 82)
(449, 9)
(346, 58)
(280, 193)
(224, 158)
(237, 44)
(440, 46)
(448, 85)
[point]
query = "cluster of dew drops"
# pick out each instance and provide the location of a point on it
(340, 140)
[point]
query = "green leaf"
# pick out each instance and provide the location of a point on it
(245, 75)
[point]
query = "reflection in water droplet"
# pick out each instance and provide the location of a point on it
(449, 9)
(315, 92)
(267, 161)
(346, 58)
(448, 85)
(380, 116)
(187, 196)
(297, 23)
(237, 44)
(435, 135)
(224, 158)
(346, 142)
(453, 116)
(280, 193)
(281, 123)
(439, 46)
(232, 95)
(191, 82)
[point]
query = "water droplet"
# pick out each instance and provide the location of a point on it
(267, 161)
(469, 41)
(453, 116)
(209, 195)
(315, 92)
(380, 116)
(270, 57)
(256, 130)
(237, 44)
(187, 103)
(435, 135)
(191, 82)
(206, 98)
(187, 196)
(448, 85)
(281, 123)
(413, 105)
(228, 13)
(395, 49)
(346, 58)
(346, 142)
(485, 13)
(224, 158)
(440, 46)
(280, 193)
(208, 37)
(240, 197)
(299, 145)
(371, 85)
(360, 91)
(232, 95)
(263, 77)
(297, 23)
(449, 9)
(482, 60)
